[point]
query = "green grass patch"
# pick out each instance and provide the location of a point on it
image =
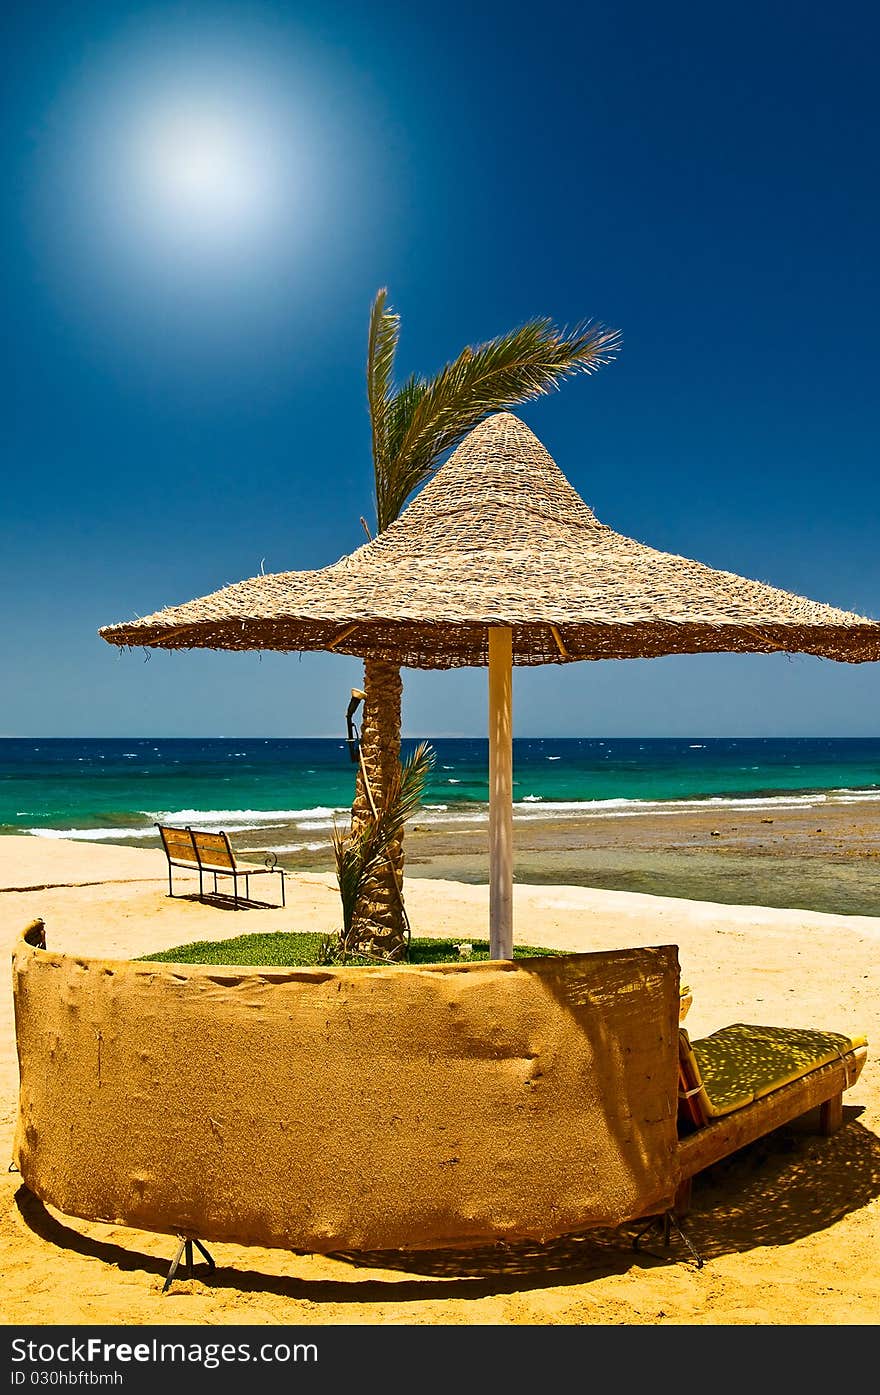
(291, 949)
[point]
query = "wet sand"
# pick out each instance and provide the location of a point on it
(822, 858)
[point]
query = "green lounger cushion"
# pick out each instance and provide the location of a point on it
(743, 1062)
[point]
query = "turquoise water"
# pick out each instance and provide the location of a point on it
(290, 790)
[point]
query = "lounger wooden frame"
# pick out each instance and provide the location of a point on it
(820, 1089)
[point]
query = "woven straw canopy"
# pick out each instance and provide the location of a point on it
(500, 538)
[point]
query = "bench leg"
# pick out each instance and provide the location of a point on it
(282, 888)
(831, 1115)
(170, 883)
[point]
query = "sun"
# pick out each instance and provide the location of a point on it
(204, 168)
(200, 169)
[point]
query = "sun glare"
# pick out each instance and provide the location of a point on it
(204, 165)
(202, 173)
(186, 173)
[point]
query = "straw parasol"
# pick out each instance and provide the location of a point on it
(498, 561)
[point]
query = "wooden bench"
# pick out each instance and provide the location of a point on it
(202, 852)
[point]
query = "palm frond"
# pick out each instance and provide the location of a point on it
(398, 416)
(426, 418)
(358, 856)
(361, 853)
(405, 790)
(383, 335)
(349, 863)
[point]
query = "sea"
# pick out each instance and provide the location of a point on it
(284, 795)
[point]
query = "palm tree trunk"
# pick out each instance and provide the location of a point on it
(380, 919)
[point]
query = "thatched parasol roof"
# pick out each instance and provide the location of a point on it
(500, 538)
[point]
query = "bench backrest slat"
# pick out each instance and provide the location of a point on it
(213, 849)
(178, 843)
(198, 849)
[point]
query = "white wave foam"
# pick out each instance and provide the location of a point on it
(242, 818)
(603, 807)
(528, 809)
(297, 847)
(710, 802)
(92, 835)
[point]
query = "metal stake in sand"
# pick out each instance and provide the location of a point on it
(500, 793)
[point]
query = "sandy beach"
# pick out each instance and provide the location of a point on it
(789, 1228)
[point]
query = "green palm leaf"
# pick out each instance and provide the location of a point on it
(427, 417)
(382, 340)
(360, 854)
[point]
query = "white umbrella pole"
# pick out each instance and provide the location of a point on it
(500, 793)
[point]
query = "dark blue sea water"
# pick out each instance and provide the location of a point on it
(289, 790)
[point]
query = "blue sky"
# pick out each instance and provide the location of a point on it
(184, 380)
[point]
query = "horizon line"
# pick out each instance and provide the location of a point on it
(455, 736)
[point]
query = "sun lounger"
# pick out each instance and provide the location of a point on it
(746, 1080)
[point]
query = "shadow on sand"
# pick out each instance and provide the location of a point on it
(223, 902)
(783, 1187)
